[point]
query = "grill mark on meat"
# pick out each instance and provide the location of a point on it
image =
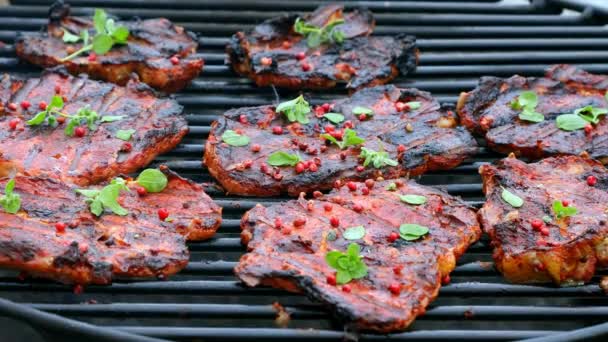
(574, 247)
(285, 260)
(428, 147)
(95, 157)
(100, 249)
(360, 61)
(150, 46)
(486, 111)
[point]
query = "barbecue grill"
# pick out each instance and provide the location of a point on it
(460, 41)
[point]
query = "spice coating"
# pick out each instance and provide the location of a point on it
(430, 135)
(273, 54)
(384, 300)
(153, 47)
(90, 156)
(531, 244)
(96, 250)
(487, 111)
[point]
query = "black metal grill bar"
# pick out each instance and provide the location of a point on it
(250, 17)
(226, 268)
(228, 287)
(473, 312)
(304, 5)
(268, 334)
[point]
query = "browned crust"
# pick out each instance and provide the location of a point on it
(294, 261)
(428, 147)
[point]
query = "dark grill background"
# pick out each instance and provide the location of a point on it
(460, 41)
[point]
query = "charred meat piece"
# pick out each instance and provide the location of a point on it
(98, 155)
(417, 140)
(274, 54)
(487, 110)
(55, 235)
(558, 233)
(288, 244)
(159, 52)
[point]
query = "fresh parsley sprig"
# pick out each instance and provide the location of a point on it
(107, 35)
(295, 110)
(377, 158)
(316, 35)
(527, 102)
(10, 201)
(411, 231)
(106, 198)
(349, 265)
(349, 138)
(84, 115)
(232, 138)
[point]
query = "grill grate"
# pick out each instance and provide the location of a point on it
(460, 41)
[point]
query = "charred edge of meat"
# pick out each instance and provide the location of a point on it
(254, 272)
(567, 258)
(119, 66)
(403, 53)
(419, 156)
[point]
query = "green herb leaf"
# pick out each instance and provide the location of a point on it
(413, 105)
(525, 99)
(531, 115)
(413, 199)
(348, 265)
(378, 159)
(102, 43)
(99, 20)
(560, 211)
(411, 232)
(125, 134)
(111, 118)
(591, 114)
(121, 34)
(391, 187)
(570, 122)
(334, 117)
(37, 119)
(281, 158)
(354, 233)
(363, 110)
(295, 110)
(106, 198)
(316, 36)
(153, 180)
(512, 199)
(10, 201)
(69, 38)
(232, 138)
(350, 138)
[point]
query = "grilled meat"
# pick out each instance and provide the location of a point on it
(487, 111)
(99, 155)
(360, 61)
(148, 53)
(95, 249)
(403, 276)
(423, 139)
(530, 243)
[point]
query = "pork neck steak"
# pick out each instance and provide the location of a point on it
(86, 249)
(160, 53)
(287, 245)
(273, 54)
(488, 111)
(45, 150)
(557, 231)
(418, 140)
